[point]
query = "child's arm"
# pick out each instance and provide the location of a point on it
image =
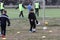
(17, 7)
(8, 21)
(23, 6)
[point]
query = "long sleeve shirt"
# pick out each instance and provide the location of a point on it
(3, 19)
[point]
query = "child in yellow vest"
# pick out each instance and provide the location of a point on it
(21, 7)
(1, 7)
(37, 7)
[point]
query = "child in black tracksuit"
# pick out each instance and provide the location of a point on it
(3, 19)
(32, 19)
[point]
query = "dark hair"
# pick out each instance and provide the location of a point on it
(20, 2)
(32, 9)
(5, 11)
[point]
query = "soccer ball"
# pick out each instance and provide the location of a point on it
(46, 23)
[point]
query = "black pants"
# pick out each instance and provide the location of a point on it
(37, 11)
(3, 30)
(21, 14)
(32, 25)
(1, 10)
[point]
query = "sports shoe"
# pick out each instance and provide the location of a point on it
(3, 36)
(33, 30)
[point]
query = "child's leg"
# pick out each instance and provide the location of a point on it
(37, 12)
(31, 25)
(22, 13)
(4, 31)
(34, 27)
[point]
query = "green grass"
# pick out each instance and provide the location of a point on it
(53, 13)
(22, 25)
(13, 13)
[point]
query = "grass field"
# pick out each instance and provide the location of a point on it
(13, 13)
(22, 25)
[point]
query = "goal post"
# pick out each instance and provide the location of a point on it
(43, 11)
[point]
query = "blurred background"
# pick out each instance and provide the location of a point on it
(15, 2)
(49, 3)
(51, 15)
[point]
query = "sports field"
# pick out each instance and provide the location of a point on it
(13, 13)
(22, 25)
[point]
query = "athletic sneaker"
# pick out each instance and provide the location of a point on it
(3, 36)
(30, 31)
(33, 30)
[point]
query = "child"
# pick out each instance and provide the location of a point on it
(29, 7)
(3, 19)
(1, 6)
(32, 19)
(37, 7)
(21, 7)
